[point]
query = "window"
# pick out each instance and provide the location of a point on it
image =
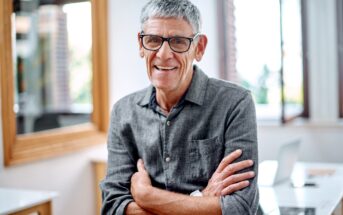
(54, 91)
(52, 65)
(264, 43)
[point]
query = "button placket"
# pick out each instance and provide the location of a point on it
(167, 157)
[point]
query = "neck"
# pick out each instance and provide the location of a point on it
(168, 99)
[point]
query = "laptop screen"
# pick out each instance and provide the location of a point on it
(272, 172)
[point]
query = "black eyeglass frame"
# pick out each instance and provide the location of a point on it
(191, 39)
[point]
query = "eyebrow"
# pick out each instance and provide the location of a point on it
(168, 36)
(176, 35)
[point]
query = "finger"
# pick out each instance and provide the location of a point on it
(234, 187)
(140, 165)
(236, 178)
(236, 167)
(228, 160)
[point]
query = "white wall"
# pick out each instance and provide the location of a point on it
(323, 60)
(71, 175)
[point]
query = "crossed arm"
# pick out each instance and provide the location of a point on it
(126, 191)
(152, 200)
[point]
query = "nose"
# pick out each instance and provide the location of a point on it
(165, 51)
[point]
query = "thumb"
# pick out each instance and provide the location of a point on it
(140, 165)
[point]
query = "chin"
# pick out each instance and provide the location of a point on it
(162, 85)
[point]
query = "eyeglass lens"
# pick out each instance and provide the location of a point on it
(178, 44)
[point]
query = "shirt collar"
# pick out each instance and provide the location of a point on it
(197, 89)
(145, 99)
(195, 93)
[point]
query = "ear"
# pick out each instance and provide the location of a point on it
(141, 49)
(201, 47)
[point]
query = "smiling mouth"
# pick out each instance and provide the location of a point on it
(164, 68)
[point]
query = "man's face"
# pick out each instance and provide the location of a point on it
(168, 70)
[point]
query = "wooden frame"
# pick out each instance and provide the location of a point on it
(23, 148)
(41, 209)
(99, 168)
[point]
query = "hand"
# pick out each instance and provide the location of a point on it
(140, 182)
(224, 181)
(133, 209)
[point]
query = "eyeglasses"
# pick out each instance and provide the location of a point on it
(177, 44)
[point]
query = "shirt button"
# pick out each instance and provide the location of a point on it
(168, 123)
(167, 159)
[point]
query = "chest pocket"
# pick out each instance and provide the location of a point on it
(205, 156)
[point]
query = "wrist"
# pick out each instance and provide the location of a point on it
(143, 195)
(196, 193)
(134, 208)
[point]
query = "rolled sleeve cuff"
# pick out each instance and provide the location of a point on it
(233, 204)
(122, 207)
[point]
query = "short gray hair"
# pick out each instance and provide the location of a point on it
(182, 9)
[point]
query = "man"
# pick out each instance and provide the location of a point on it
(184, 133)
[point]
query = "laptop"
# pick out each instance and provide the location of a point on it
(272, 172)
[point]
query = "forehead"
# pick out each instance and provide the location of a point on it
(167, 27)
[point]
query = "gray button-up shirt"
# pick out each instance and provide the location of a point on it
(182, 150)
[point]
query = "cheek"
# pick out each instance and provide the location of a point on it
(184, 61)
(187, 62)
(148, 63)
(148, 59)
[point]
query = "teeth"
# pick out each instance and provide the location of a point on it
(164, 68)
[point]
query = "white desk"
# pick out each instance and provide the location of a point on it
(15, 201)
(325, 197)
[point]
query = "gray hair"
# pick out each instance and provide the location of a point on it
(182, 9)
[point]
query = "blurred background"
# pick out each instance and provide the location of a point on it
(289, 53)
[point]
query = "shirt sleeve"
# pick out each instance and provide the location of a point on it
(241, 133)
(120, 166)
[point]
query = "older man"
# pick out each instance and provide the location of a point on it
(184, 133)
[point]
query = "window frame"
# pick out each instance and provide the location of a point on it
(305, 113)
(304, 21)
(24, 148)
(339, 6)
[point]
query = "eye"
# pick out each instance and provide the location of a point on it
(152, 39)
(179, 41)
